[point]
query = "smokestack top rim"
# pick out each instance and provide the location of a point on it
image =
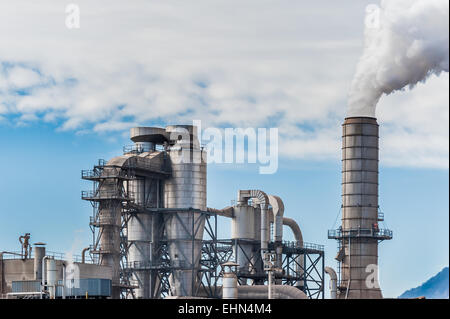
(360, 120)
(360, 117)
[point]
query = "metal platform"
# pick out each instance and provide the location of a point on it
(379, 234)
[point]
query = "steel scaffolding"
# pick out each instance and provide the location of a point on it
(302, 266)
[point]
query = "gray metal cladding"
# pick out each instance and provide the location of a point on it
(187, 186)
(139, 237)
(26, 286)
(359, 203)
(92, 287)
(185, 189)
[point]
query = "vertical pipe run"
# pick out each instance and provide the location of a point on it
(333, 282)
(39, 253)
(51, 277)
(264, 228)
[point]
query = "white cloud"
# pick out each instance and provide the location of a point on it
(252, 63)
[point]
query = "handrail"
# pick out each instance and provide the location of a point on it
(360, 232)
(297, 244)
(9, 255)
(103, 194)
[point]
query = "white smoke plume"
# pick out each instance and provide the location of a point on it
(406, 41)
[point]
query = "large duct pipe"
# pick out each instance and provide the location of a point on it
(225, 212)
(292, 224)
(277, 213)
(359, 205)
(263, 202)
(278, 292)
(333, 282)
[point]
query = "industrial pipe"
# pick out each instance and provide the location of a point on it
(263, 201)
(43, 273)
(278, 292)
(225, 212)
(64, 281)
(333, 282)
(83, 253)
(292, 224)
(39, 253)
(278, 212)
(51, 277)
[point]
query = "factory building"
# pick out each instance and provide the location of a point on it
(154, 236)
(40, 274)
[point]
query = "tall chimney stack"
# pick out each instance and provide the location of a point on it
(359, 233)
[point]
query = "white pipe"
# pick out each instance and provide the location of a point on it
(43, 273)
(269, 291)
(278, 292)
(64, 281)
(277, 218)
(51, 277)
(278, 212)
(292, 224)
(333, 282)
(264, 229)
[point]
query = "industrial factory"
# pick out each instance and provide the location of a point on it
(154, 237)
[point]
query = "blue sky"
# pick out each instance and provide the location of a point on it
(69, 96)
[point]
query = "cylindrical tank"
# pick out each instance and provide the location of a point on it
(242, 229)
(185, 189)
(229, 287)
(359, 204)
(39, 253)
(51, 277)
(144, 146)
(139, 230)
(243, 222)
